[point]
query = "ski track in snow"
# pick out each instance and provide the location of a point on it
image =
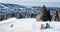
(27, 25)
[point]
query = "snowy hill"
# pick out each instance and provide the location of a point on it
(26, 25)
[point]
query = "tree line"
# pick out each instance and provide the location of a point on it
(45, 15)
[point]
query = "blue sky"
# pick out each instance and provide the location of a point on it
(48, 3)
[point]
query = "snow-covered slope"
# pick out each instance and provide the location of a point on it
(26, 25)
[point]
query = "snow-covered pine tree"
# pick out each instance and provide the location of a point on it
(55, 17)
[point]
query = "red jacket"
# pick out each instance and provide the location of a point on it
(41, 27)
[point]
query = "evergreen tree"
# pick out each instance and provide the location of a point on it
(44, 14)
(56, 16)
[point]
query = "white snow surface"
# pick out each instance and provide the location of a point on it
(27, 25)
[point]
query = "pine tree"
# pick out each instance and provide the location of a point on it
(44, 14)
(56, 16)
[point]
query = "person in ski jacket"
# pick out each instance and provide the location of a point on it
(41, 27)
(47, 26)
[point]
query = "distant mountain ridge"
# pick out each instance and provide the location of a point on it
(3, 5)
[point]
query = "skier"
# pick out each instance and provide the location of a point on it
(47, 26)
(41, 27)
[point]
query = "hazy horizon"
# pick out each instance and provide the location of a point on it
(48, 3)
